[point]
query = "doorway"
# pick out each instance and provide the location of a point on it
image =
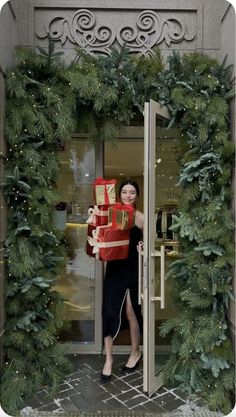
(81, 281)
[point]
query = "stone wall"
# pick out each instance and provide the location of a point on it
(7, 44)
(96, 25)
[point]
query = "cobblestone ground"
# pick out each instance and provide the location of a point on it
(83, 391)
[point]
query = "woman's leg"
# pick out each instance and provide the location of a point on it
(108, 342)
(134, 333)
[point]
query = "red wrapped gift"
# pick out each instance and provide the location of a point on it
(121, 216)
(89, 248)
(109, 244)
(104, 192)
(98, 215)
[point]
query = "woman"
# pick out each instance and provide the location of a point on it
(120, 291)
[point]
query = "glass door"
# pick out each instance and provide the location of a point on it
(160, 246)
(80, 282)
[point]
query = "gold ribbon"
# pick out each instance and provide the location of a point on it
(105, 194)
(97, 244)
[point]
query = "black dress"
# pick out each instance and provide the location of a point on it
(121, 276)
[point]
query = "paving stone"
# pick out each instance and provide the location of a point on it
(137, 382)
(83, 390)
(161, 391)
(80, 402)
(65, 394)
(125, 396)
(164, 399)
(153, 408)
(67, 405)
(123, 386)
(87, 381)
(93, 386)
(138, 399)
(97, 376)
(113, 388)
(76, 375)
(131, 377)
(49, 407)
(103, 406)
(140, 408)
(76, 384)
(64, 386)
(87, 369)
(172, 405)
(114, 404)
(103, 396)
(91, 395)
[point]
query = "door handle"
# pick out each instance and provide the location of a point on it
(161, 298)
(140, 271)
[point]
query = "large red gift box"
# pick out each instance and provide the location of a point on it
(104, 191)
(98, 216)
(121, 216)
(109, 244)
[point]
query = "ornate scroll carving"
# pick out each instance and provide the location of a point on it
(80, 30)
(84, 30)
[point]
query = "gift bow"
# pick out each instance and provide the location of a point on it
(96, 242)
(102, 181)
(93, 240)
(126, 207)
(93, 212)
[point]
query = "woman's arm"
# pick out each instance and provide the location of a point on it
(139, 219)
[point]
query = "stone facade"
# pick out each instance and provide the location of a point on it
(185, 25)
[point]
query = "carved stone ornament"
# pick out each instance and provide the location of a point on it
(149, 30)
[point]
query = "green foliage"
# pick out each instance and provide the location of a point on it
(202, 349)
(48, 101)
(36, 118)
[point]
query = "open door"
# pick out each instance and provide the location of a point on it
(160, 199)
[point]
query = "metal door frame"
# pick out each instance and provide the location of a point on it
(150, 382)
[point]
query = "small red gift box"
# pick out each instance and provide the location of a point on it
(109, 244)
(121, 216)
(89, 248)
(104, 192)
(98, 215)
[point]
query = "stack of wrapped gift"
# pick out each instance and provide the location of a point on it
(108, 233)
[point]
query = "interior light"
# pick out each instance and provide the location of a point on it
(86, 174)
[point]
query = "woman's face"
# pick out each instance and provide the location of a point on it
(128, 194)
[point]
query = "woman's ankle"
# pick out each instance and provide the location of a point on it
(107, 367)
(135, 353)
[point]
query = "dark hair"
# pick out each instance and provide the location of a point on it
(131, 182)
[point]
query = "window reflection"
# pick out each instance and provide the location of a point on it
(76, 282)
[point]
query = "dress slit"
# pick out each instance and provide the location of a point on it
(120, 315)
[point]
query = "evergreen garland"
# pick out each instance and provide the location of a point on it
(202, 358)
(38, 114)
(48, 101)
